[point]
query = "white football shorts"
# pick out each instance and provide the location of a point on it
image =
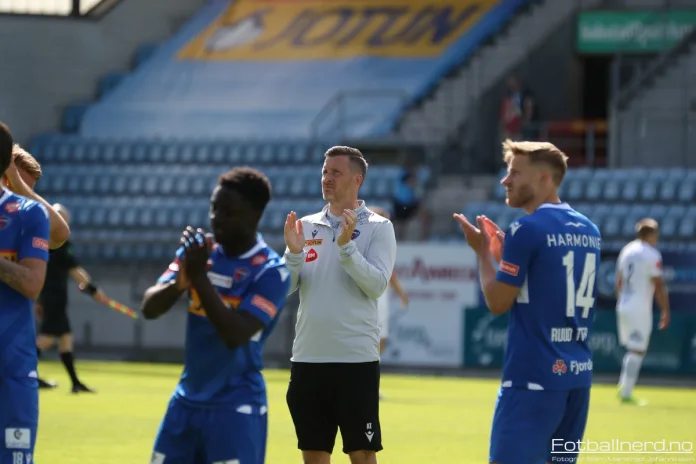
(634, 330)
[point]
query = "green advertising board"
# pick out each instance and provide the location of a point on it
(672, 351)
(610, 32)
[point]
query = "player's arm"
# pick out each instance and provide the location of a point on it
(162, 296)
(396, 285)
(661, 291)
(373, 271)
(59, 229)
(264, 298)
(28, 275)
(501, 287)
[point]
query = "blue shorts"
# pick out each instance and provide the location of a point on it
(219, 434)
(532, 426)
(19, 418)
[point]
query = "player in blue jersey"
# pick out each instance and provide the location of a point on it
(546, 279)
(236, 286)
(24, 235)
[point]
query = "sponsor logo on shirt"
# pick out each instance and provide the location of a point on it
(314, 242)
(220, 280)
(311, 256)
(12, 207)
(196, 308)
(40, 243)
(509, 268)
(578, 367)
(8, 255)
(560, 367)
(258, 260)
(17, 438)
(264, 305)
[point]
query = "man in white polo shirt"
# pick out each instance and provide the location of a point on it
(341, 260)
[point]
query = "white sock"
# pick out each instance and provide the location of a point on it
(629, 373)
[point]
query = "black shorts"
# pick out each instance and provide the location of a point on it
(55, 320)
(329, 396)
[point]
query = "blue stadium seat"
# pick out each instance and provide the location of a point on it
(687, 228)
(575, 190)
(687, 191)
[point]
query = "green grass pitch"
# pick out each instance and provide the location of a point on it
(425, 419)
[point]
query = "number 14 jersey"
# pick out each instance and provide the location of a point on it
(552, 256)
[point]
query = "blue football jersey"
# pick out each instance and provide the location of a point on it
(552, 255)
(24, 230)
(257, 282)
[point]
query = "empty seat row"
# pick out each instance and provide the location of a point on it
(78, 151)
(635, 173)
(613, 190)
(677, 222)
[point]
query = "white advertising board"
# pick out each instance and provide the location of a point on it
(441, 280)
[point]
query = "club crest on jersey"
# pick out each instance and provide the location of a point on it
(4, 222)
(12, 207)
(240, 274)
(356, 234)
(311, 256)
(560, 367)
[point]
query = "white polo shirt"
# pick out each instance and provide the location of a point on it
(339, 287)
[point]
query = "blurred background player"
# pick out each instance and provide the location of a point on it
(223, 348)
(383, 301)
(24, 231)
(52, 307)
(548, 284)
(638, 281)
(21, 177)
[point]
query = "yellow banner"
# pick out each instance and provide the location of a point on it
(256, 30)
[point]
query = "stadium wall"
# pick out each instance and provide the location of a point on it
(446, 325)
(551, 70)
(52, 62)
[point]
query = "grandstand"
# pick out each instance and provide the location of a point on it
(140, 106)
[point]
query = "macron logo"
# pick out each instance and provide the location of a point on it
(575, 224)
(514, 226)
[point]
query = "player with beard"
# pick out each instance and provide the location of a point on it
(218, 410)
(546, 280)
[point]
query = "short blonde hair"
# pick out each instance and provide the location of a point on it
(24, 160)
(538, 153)
(646, 227)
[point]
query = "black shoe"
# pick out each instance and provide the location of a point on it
(82, 388)
(46, 383)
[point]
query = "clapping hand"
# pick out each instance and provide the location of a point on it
(294, 235)
(350, 221)
(196, 252)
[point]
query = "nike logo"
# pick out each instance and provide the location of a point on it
(369, 435)
(575, 224)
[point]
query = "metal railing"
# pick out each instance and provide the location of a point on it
(348, 112)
